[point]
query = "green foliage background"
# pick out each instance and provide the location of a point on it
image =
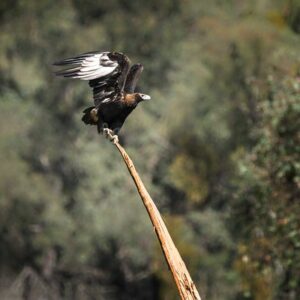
(218, 148)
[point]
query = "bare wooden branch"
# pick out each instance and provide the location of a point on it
(182, 278)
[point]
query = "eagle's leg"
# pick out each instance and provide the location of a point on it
(101, 126)
(110, 135)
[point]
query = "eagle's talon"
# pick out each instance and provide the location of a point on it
(115, 139)
(109, 135)
(106, 131)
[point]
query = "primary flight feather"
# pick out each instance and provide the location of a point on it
(113, 82)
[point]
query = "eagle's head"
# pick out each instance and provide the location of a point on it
(142, 97)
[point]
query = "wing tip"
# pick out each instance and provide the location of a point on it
(80, 67)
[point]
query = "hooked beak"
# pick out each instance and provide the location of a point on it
(146, 97)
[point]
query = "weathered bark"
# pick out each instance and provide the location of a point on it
(183, 280)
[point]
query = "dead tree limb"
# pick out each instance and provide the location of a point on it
(182, 278)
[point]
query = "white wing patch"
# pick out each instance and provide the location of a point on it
(88, 66)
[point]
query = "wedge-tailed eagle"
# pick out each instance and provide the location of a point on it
(113, 82)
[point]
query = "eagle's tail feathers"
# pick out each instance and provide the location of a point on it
(87, 118)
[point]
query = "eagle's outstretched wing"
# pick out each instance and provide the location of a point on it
(106, 72)
(133, 77)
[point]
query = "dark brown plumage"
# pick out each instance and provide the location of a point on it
(113, 82)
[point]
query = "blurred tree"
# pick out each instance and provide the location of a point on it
(267, 203)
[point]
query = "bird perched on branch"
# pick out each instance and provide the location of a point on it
(113, 82)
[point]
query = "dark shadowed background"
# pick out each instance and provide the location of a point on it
(217, 147)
